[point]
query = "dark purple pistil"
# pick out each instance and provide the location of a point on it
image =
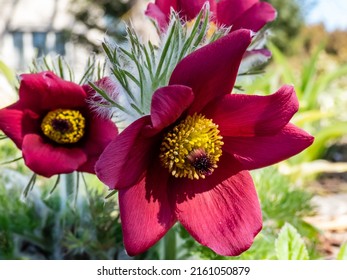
(61, 125)
(203, 165)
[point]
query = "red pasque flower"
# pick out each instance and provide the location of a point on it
(188, 160)
(250, 14)
(53, 126)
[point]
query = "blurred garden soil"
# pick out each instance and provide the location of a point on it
(330, 199)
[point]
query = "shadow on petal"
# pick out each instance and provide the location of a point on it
(183, 189)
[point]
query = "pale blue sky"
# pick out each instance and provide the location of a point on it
(333, 13)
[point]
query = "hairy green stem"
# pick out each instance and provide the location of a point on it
(170, 245)
(69, 185)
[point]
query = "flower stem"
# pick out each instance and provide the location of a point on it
(170, 245)
(69, 185)
(66, 192)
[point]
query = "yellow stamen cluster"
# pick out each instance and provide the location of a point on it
(64, 126)
(211, 29)
(193, 137)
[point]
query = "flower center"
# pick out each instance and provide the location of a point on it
(192, 148)
(64, 126)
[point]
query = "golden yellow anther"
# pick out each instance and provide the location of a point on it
(192, 148)
(64, 126)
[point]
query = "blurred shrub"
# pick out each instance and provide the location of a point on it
(311, 37)
(58, 225)
(337, 44)
(289, 22)
(102, 16)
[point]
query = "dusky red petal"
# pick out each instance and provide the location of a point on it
(16, 122)
(47, 159)
(225, 217)
(166, 5)
(189, 9)
(125, 159)
(11, 124)
(260, 151)
(255, 17)
(250, 115)
(45, 91)
(168, 104)
(100, 133)
(211, 70)
(229, 10)
(146, 214)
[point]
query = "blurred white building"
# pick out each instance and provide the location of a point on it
(33, 27)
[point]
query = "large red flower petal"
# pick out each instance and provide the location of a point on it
(249, 115)
(260, 151)
(45, 91)
(11, 124)
(225, 217)
(211, 71)
(168, 104)
(255, 17)
(229, 10)
(126, 158)
(16, 123)
(101, 133)
(145, 211)
(47, 160)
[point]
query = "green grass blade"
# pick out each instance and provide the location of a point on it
(322, 137)
(309, 71)
(281, 60)
(8, 73)
(342, 255)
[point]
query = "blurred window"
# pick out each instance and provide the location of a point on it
(39, 42)
(18, 44)
(60, 43)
